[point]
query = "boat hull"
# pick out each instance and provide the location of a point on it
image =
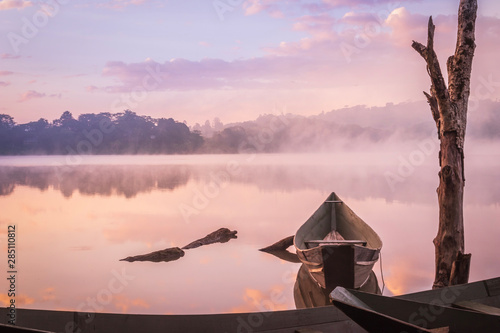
(328, 263)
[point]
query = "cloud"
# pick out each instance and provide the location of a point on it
(256, 300)
(123, 303)
(357, 3)
(15, 4)
(120, 4)
(349, 58)
(48, 294)
(91, 88)
(5, 73)
(400, 281)
(30, 94)
(182, 74)
(4, 84)
(253, 7)
(20, 300)
(74, 75)
(202, 43)
(9, 56)
(359, 18)
(277, 8)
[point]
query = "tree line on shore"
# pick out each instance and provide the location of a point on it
(103, 133)
(128, 133)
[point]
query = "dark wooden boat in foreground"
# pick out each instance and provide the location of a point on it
(337, 247)
(323, 319)
(466, 308)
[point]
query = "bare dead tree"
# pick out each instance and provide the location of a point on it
(449, 110)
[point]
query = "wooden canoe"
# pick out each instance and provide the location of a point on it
(435, 311)
(345, 262)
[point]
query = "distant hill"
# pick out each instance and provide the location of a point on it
(346, 128)
(358, 127)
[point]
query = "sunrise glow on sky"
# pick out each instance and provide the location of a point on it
(232, 59)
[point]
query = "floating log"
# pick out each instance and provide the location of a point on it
(166, 255)
(223, 235)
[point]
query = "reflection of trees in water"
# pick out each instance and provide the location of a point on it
(358, 181)
(90, 180)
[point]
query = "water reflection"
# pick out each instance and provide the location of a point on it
(92, 215)
(307, 293)
(95, 180)
(360, 181)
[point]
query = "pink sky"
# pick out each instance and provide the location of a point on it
(204, 59)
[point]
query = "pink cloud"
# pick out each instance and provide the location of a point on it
(318, 26)
(20, 299)
(91, 88)
(359, 18)
(120, 4)
(30, 94)
(182, 74)
(54, 95)
(4, 84)
(253, 7)
(123, 303)
(206, 44)
(276, 8)
(4, 73)
(9, 56)
(377, 58)
(15, 4)
(356, 3)
(74, 75)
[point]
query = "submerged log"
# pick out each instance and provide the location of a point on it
(223, 235)
(166, 255)
(281, 245)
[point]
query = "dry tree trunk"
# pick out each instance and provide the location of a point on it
(449, 110)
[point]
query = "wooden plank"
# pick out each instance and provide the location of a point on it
(17, 329)
(368, 318)
(275, 322)
(493, 286)
(474, 306)
(338, 266)
(339, 242)
(430, 315)
(450, 295)
(333, 222)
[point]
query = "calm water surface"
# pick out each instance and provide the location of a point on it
(76, 218)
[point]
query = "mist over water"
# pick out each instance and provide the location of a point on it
(76, 221)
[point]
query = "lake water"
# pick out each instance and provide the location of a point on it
(76, 217)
